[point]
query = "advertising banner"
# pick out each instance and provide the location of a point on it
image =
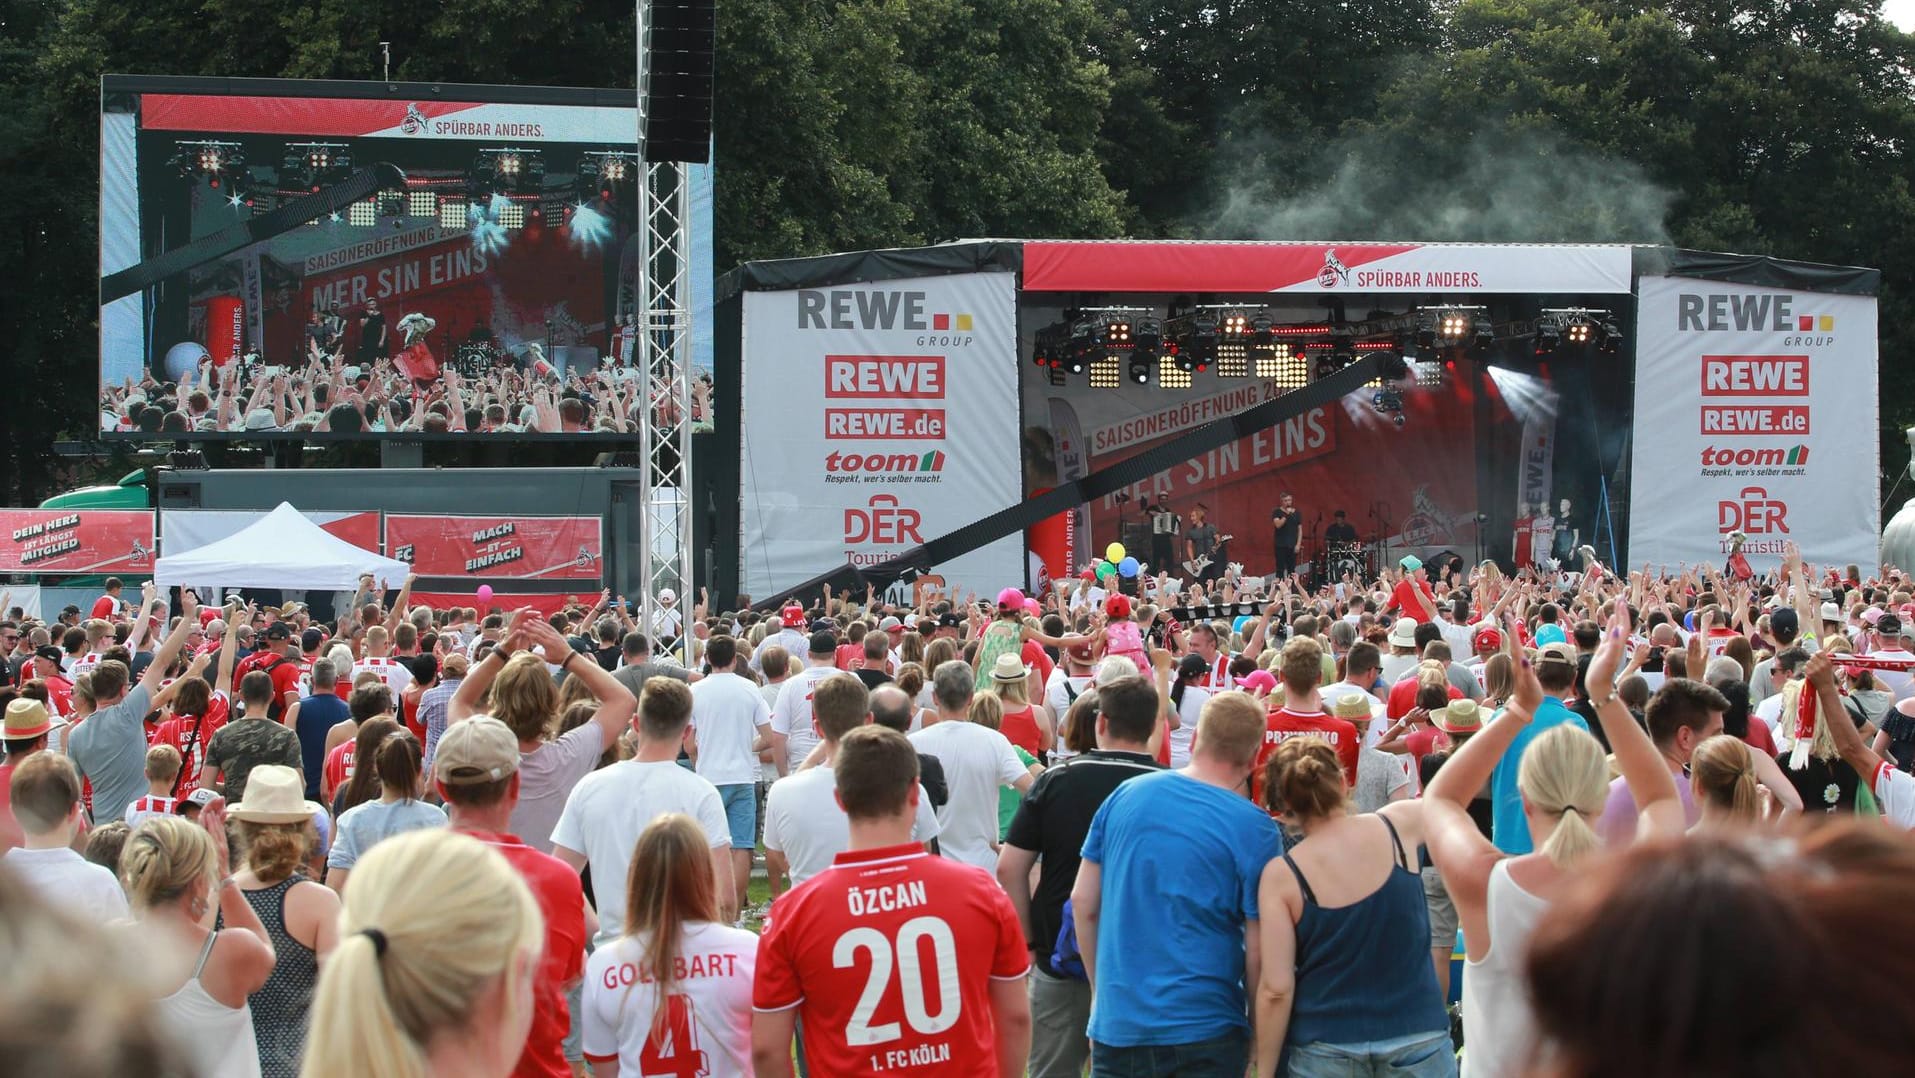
(548, 548)
(76, 541)
(425, 121)
(1756, 412)
(189, 529)
(1170, 266)
(877, 417)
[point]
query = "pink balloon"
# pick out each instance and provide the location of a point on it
(485, 593)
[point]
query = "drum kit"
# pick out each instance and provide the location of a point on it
(1352, 558)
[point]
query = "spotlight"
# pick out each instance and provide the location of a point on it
(1547, 338)
(1116, 331)
(512, 216)
(1140, 370)
(1390, 403)
(1196, 337)
(1105, 373)
(421, 204)
(1147, 340)
(507, 170)
(363, 213)
(306, 166)
(1270, 360)
(1579, 331)
(1482, 333)
(207, 157)
(452, 213)
(1452, 326)
(1609, 338)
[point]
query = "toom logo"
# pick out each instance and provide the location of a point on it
(886, 463)
(1793, 457)
(1753, 512)
(843, 308)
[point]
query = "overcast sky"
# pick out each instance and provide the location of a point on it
(1900, 12)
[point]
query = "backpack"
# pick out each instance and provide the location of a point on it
(1066, 958)
(277, 709)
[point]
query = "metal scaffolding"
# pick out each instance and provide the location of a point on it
(664, 352)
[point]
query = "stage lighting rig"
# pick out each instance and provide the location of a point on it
(602, 172)
(1578, 327)
(1547, 338)
(1608, 338)
(1147, 339)
(1196, 336)
(208, 157)
(1048, 345)
(1388, 402)
(507, 170)
(308, 166)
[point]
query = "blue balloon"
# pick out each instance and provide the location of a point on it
(1127, 568)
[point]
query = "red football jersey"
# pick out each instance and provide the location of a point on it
(1282, 724)
(179, 732)
(888, 956)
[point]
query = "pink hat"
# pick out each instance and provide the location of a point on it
(1031, 606)
(1010, 599)
(1257, 681)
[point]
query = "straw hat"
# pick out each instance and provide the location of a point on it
(1459, 717)
(274, 794)
(1009, 668)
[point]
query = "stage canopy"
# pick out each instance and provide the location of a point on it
(282, 550)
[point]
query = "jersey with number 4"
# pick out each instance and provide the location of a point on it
(889, 956)
(705, 1028)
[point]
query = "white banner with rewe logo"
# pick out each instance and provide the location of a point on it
(1756, 412)
(878, 417)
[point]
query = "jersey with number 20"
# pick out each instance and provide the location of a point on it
(888, 956)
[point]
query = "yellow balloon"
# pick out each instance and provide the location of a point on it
(1114, 552)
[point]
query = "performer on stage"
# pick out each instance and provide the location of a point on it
(1201, 541)
(1523, 546)
(417, 362)
(1164, 526)
(1286, 520)
(372, 334)
(1340, 529)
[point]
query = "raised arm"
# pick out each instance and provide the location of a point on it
(1848, 740)
(169, 648)
(398, 612)
(615, 702)
(1643, 768)
(148, 596)
(229, 647)
(479, 678)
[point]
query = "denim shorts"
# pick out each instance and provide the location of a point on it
(1223, 1057)
(1421, 1055)
(741, 813)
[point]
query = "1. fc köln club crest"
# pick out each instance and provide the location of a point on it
(1334, 273)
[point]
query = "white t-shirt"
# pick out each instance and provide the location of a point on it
(727, 711)
(1055, 693)
(1897, 682)
(795, 643)
(977, 760)
(389, 669)
(1895, 792)
(804, 822)
(1770, 711)
(1187, 712)
(1091, 598)
(1396, 667)
(712, 973)
(791, 716)
(608, 810)
(66, 880)
(768, 769)
(1460, 639)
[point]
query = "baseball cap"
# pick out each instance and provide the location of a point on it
(824, 625)
(279, 630)
(1889, 625)
(667, 595)
(823, 643)
(1784, 621)
(199, 798)
(49, 652)
(1557, 653)
(480, 749)
(891, 624)
(1082, 653)
(949, 620)
(311, 639)
(792, 615)
(1487, 639)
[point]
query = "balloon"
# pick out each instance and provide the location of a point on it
(1114, 552)
(485, 593)
(1127, 568)
(184, 358)
(1106, 571)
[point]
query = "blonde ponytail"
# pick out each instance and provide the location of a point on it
(432, 921)
(1563, 777)
(163, 858)
(1723, 774)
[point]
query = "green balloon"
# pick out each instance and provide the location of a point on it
(1106, 571)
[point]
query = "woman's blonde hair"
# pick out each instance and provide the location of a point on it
(525, 697)
(669, 884)
(1499, 677)
(1015, 694)
(573, 690)
(987, 710)
(1564, 777)
(274, 851)
(432, 920)
(163, 858)
(1723, 774)
(939, 651)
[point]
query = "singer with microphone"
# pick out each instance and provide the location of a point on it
(1287, 522)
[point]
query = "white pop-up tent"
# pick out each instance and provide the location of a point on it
(281, 550)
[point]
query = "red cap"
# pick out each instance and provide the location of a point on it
(1117, 606)
(1487, 639)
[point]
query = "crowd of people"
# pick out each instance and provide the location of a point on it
(327, 394)
(1655, 820)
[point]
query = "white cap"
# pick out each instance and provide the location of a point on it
(667, 595)
(1831, 612)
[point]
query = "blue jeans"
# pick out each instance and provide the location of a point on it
(741, 813)
(1223, 1057)
(1421, 1055)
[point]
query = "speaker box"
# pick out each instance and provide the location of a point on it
(678, 109)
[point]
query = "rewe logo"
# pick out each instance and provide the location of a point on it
(932, 461)
(1741, 312)
(1793, 457)
(843, 308)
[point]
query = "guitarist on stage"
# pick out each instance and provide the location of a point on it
(1201, 544)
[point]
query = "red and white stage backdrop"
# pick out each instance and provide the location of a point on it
(76, 541)
(1251, 267)
(517, 547)
(1756, 412)
(876, 417)
(1414, 487)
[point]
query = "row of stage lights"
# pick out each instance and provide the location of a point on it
(308, 166)
(1238, 342)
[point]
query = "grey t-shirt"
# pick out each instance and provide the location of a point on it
(109, 748)
(633, 677)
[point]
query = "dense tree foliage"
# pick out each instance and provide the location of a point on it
(1784, 127)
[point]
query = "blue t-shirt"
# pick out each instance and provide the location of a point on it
(365, 825)
(1510, 829)
(317, 715)
(1181, 860)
